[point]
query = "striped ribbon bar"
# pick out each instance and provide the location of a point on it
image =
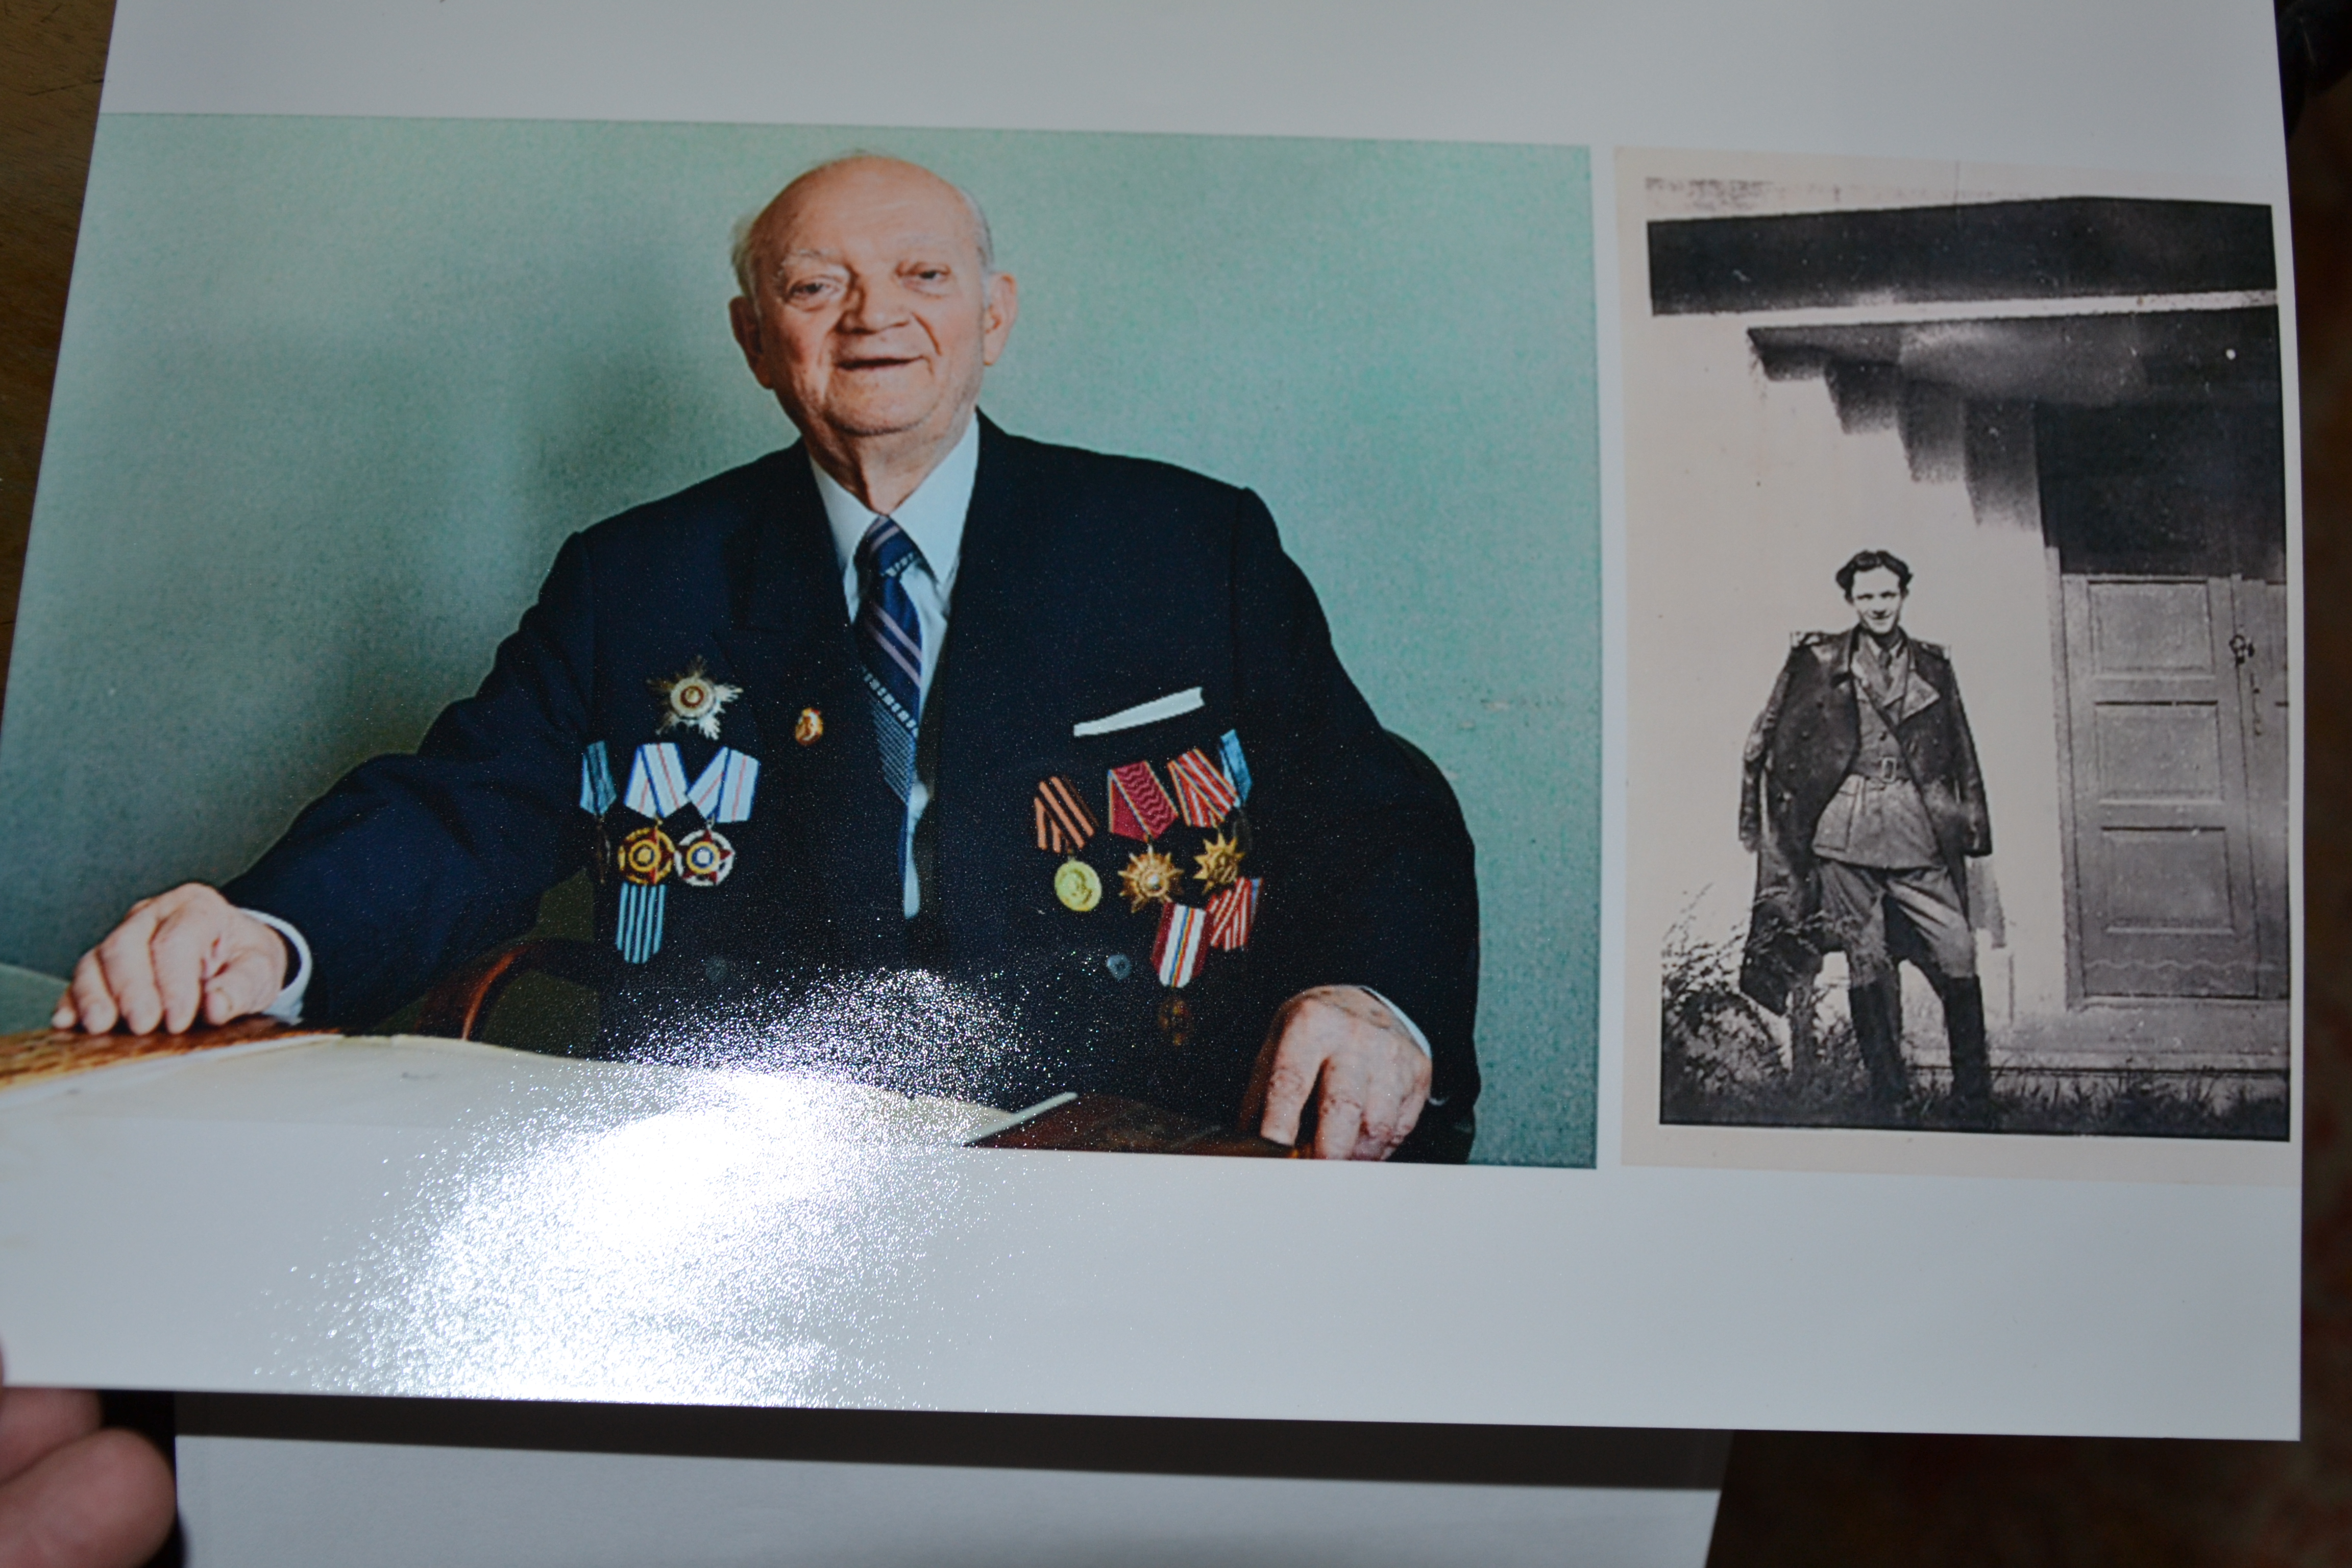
(1064, 823)
(1232, 913)
(1201, 789)
(657, 780)
(1140, 808)
(1176, 950)
(638, 934)
(596, 791)
(723, 793)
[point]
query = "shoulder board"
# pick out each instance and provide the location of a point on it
(1813, 639)
(1934, 647)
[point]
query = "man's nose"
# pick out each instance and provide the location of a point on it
(868, 309)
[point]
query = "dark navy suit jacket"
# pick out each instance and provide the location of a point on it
(1087, 584)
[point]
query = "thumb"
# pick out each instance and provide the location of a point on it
(248, 982)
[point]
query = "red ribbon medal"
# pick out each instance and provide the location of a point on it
(1140, 808)
(1232, 913)
(1201, 789)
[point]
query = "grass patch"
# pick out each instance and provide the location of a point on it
(1724, 1062)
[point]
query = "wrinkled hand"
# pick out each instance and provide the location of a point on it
(1372, 1079)
(73, 1496)
(180, 952)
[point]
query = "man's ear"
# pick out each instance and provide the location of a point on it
(744, 322)
(1003, 308)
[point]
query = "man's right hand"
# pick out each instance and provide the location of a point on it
(175, 955)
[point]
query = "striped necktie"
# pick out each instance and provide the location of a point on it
(890, 639)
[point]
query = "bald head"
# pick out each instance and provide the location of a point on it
(871, 307)
(745, 252)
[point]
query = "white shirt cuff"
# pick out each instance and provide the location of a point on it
(1402, 1016)
(287, 1008)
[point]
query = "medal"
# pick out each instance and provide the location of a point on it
(1219, 862)
(1078, 885)
(810, 727)
(1140, 808)
(695, 700)
(1149, 876)
(1201, 789)
(1232, 913)
(647, 855)
(1176, 950)
(1064, 823)
(704, 858)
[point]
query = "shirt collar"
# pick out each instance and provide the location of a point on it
(932, 517)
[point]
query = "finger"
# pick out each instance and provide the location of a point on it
(129, 972)
(92, 1001)
(251, 981)
(35, 1420)
(179, 953)
(102, 1501)
(1288, 1087)
(1339, 1123)
(64, 1015)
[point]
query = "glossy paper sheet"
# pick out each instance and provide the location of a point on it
(1435, 589)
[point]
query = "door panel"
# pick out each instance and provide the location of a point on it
(2166, 849)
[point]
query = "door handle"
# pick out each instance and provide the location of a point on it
(2241, 649)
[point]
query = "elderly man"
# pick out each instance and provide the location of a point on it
(1862, 804)
(917, 750)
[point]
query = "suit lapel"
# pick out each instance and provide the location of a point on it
(789, 637)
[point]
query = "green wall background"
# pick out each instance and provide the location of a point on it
(332, 390)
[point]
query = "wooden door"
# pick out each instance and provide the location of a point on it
(2176, 865)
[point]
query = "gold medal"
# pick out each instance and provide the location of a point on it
(811, 728)
(1149, 878)
(1078, 885)
(1219, 862)
(646, 856)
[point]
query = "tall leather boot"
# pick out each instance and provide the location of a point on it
(1877, 1033)
(1964, 1026)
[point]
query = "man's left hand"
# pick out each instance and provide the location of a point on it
(1341, 1046)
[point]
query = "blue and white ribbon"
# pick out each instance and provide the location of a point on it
(597, 794)
(639, 933)
(1236, 766)
(723, 792)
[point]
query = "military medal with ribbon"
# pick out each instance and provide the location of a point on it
(1063, 826)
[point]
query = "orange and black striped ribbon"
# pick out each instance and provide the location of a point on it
(1064, 823)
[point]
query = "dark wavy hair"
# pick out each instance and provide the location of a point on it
(1873, 561)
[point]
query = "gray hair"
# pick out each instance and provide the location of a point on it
(739, 251)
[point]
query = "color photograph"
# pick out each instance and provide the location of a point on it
(1093, 637)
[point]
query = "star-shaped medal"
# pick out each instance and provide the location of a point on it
(694, 700)
(1219, 862)
(1150, 877)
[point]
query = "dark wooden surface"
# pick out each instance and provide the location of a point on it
(1790, 1499)
(1105, 1124)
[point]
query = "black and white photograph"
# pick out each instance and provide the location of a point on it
(1959, 687)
